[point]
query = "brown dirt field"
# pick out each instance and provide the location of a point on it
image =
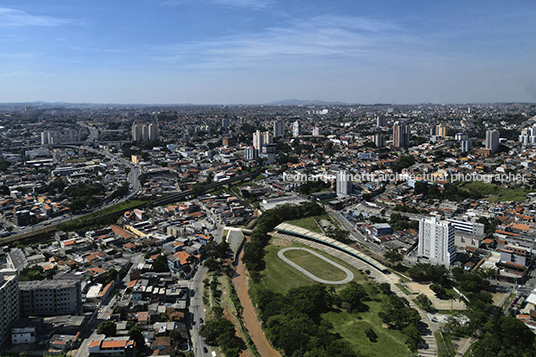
(249, 316)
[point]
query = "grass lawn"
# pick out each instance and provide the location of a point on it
(280, 277)
(445, 347)
(309, 223)
(315, 265)
(352, 326)
(496, 193)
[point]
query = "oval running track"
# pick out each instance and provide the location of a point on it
(349, 274)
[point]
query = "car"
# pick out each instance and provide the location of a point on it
(201, 320)
(205, 350)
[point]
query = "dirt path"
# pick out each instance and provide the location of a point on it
(250, 318)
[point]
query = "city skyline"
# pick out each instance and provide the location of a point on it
(261, 51)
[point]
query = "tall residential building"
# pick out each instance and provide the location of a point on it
(261, 138)
(379, 140)
(466, 145)
(344, 184)
(225, 123)
(436, 241)
(316, 131)
(9, 299)
(296, 129)
(153, 131)
(137, 132)
(401, 135)
(279, 128)
(492, 140)
(381, 121)
(44, 138)
(251, 153)
(50, 297)
(441, 130)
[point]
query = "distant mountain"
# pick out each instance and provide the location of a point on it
(304, 102)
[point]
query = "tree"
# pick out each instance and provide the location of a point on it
(438, 290)
(424, 302)
(353, 295)
(393, 256)
(107, 328)
(371, 335)
(136, 335)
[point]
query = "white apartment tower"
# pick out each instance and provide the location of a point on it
(153, 131)
(225, 123)
(316, 131)
(492, 140)
(261, 138)
(296, 129)
(9, 298)
(344, 184)
(436, 241)
(137, 132)
(401, 135)
(279, 129)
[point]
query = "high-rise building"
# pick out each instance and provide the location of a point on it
(401, 135)
(379, 140)
(316, 131)
(436, 241)
(441, 130)
(257, 140)
(44, 138)
(296, 129)
(50, 297)
(153, 131)
(344, 183)
(279, 128)
(261, 138)
(225, 123)
(466, 145)
(251, 153)
(492, 140)
(9, 299)
(137, 132)
(381, 121)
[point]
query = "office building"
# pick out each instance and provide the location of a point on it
(9, 298)
(251, 153)
(279, 128)
(492, 140)
(379, 140)
(296, 129)
(437, 241)
(50, 297)
(468, 227)
(344, 184)
(401, 135)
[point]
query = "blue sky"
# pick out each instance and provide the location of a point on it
(258, 51)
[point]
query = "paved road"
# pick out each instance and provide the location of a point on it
(349, 274)
(197, 309)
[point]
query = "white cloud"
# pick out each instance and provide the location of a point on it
(18, 18)
(320, 37)
(251, 4)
